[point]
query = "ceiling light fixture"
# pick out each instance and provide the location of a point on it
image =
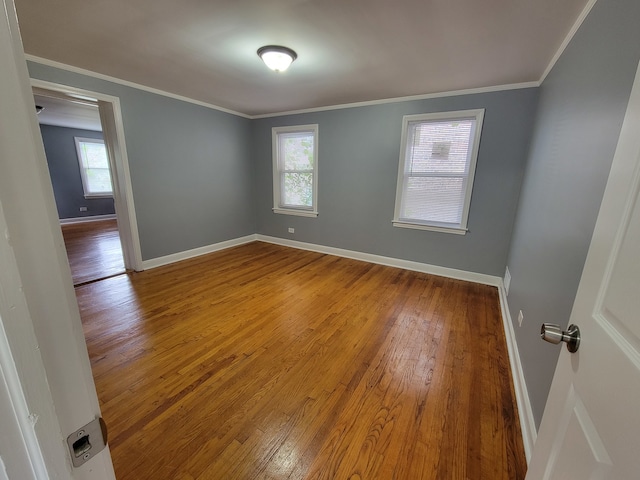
(277, 58)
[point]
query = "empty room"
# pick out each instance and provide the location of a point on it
(319, 240)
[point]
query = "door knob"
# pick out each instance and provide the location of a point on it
(553, 334)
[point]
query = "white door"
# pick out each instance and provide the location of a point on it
(591, 424)
(47, 390)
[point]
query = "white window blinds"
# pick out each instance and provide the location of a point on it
(436, 169)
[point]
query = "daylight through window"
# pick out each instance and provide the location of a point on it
(435, 176)
(94, 167)
(295, 168)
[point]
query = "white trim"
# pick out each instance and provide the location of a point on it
(426, 96)
(78, 93)
(433, 228)
(83, 167)
(278, 168)
(127, 83)
(339, 252)
(88, 219)
(22, 300)
(525, 412)
(3, 471)
(20, 406)
(409, 98)
(296, 212)
(406, 152)
(620, 211)
(576, 25)
(196, 252)
(113, 132)
(387, 261)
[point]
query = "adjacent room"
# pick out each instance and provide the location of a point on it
(81, 179)
(335, 266)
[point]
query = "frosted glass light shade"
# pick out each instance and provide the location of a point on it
(277, 58)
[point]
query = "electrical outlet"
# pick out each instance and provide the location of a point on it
(83, 209)
(292, 230)
(520, 318)
(507, 280)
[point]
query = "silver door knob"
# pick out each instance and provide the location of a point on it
(554, 334)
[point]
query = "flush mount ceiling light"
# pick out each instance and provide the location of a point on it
(276, 57)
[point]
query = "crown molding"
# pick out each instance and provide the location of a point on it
(452, 93)
(127, 83)
(426, 96)
(576, 26)
(119, 81)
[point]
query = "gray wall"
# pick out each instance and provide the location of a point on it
(201, 176)
(582, 105)
(60, 147)
(190, 166)
(357, 173)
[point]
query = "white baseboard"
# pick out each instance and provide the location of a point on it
(196, 252)
(90, 218)
(339, 252)
(388, 261)
(525, 412)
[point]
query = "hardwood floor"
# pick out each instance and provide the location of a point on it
(264, 362)
(93, 249)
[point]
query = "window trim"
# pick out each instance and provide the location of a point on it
(398, 221)
(292, 210)
(83, 173)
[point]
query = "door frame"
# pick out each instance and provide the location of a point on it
(114, 140)
(43, 354)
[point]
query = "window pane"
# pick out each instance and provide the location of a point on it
(94, 163)
(434, 199)
(296, 150)
(295, 167)
(297, 189)
(94, 155)
(439, 147)
(98, 180)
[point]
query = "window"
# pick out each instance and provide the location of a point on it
(94, 167)
(295, 170)
(435, 177)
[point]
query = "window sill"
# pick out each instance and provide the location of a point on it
(433, 228)
(98, 195)
(299, 213)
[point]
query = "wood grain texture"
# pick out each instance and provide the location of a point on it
(93, 249)
(264, 362)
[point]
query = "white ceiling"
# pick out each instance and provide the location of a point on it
(348, 50)
(67, 113)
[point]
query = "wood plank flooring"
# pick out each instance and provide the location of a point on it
(264, 362)
(93, 250)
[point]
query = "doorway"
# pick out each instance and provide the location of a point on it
(111, 245)
(82, 183)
